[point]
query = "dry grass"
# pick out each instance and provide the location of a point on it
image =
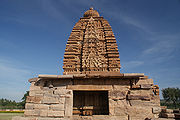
(8, 116)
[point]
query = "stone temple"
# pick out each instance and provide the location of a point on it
(92, 87)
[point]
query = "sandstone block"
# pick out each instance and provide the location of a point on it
(144, 81)
(62, 100)
(68, 106)
(145, 86)
(36, 93)
(156, 110)
(163, 107)
(48, 118)
(138, 118)
(31, 112)
(89, 87)
(57, 107)
(140, 113)
(167, 110)
(122, 103)
(44, 113)
(156, 99)
(138, 97)
(29, 106)
(120, 111)
(168, 115)
(75, 117)
(111, 111)
(142, 103)
(41, 106)
(118, 118)
(60, 87)
(121, 87)
(33, 87)
(105, 117)
(117, 94)
(136, 86)
(144, 77)
(55, 113)
(50, 100)
(33, 80)
(60, 91)
(101, 117)
(112, 103)
(141, 92)
(33, 99)
(48, 92)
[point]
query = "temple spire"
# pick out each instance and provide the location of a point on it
(91, 47)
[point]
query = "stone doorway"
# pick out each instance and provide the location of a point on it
(90, 103)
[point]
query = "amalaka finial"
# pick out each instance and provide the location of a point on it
(91, 8)
(91, 13)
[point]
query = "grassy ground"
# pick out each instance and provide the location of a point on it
(8, 116)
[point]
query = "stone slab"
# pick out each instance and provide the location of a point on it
(55, 113)
(57, 107)
(90, 87)
(156, 110)
(50, 100)
(145, 86)
(167, 115)
(33, 99)
(138, 97)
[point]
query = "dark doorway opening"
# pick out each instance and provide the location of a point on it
(90, 103)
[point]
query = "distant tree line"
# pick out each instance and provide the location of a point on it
(9, 104)
(171, 98)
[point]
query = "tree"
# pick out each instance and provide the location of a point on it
(24, 99)
(171, 95)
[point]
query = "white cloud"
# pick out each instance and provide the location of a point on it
(128, 19)
(52, 10)
(132, 64)
(13, 80)
(163, 47)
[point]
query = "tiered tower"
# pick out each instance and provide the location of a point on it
(91, 47)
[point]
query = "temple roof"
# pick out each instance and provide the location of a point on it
(91, 47)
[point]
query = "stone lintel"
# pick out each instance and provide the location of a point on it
(133, 75)
(86, 76)
(90, 87)
(55, 76)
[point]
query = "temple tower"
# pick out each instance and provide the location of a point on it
(91, 47)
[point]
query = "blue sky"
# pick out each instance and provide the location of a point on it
(33, 35)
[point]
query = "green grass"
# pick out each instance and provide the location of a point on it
(8, 116)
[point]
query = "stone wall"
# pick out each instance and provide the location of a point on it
(49, 101)
(129, 98)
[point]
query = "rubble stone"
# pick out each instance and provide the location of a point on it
(156, 110)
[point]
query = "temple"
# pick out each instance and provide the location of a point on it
(92, 87)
